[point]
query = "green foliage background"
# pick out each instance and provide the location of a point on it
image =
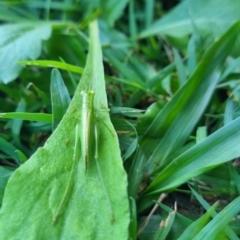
(171, 72)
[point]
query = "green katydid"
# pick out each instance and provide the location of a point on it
(89, 136)
(88, 126)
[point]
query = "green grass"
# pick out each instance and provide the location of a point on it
(167, 162)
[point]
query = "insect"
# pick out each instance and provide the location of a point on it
(88, 126)
(89, 138)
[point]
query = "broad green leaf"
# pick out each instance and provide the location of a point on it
(205, 15)
(20, 41)
(53, 189)
(174, 123)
